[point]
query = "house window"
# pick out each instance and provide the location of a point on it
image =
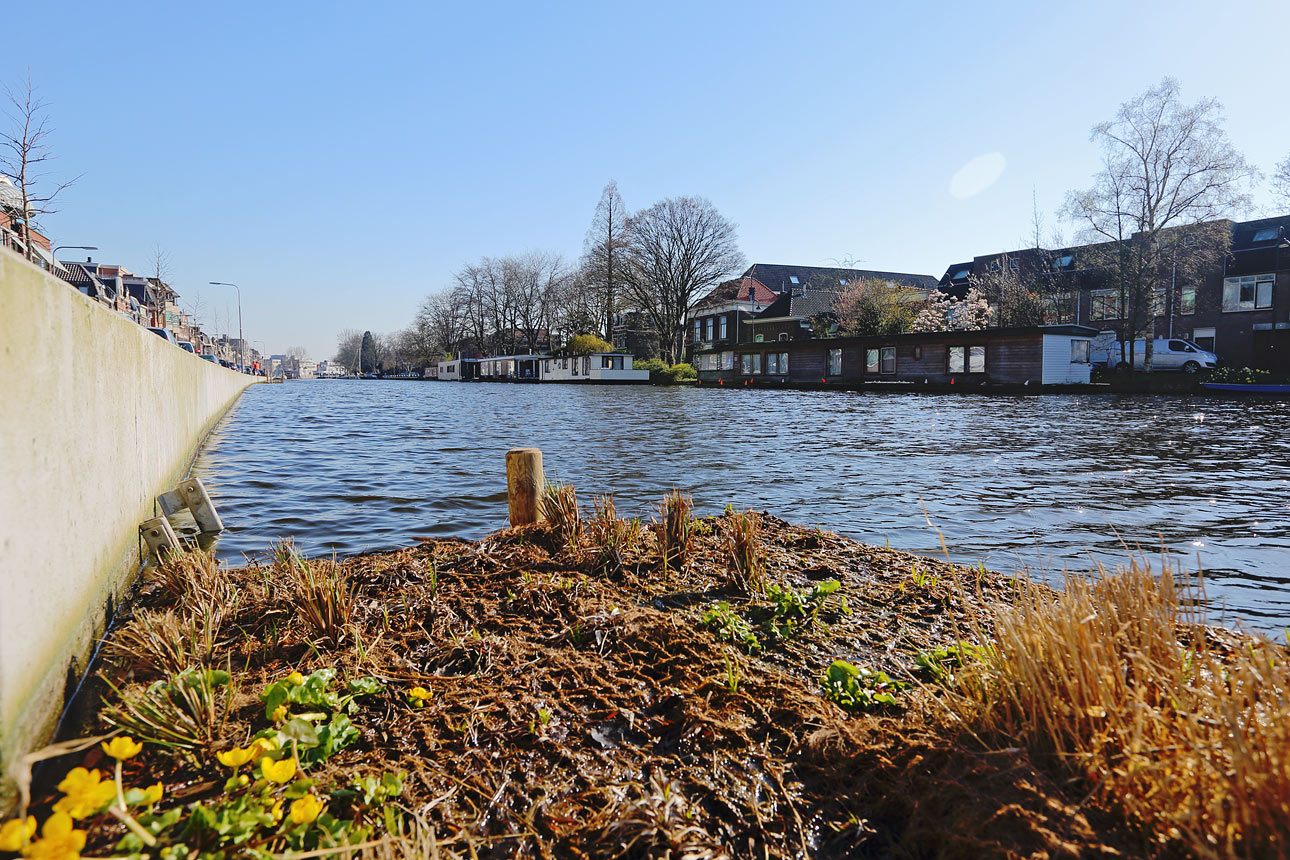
(1063, 262)
(698, 330)
(1187, 305)
(880, 360)
(792, 279)
(1266, 235)
(1204, 338)
(758, 338)
(1158, 301)
(724, 320)
(709, 329)
(843, 281)
(783, 335)
(960, 274)
(835, 362)
(1104, 305)
(994, 265)
(1080, 351)
(1014, 264)
(1249, 293)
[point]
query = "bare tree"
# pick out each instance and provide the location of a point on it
(680, 249)
(26, 149)
(298, 353)
(161, 269)
(440, 323)
(537, 279)
(349, 345)
(1168, 173)
(604, 256)
(1281, 182)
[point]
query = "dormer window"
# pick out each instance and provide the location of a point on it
(1063, 261)
(1266, 235)
(1014, 264)
(960, 274)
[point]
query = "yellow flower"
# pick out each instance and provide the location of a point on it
(279, 713)
(14, 834)
(278, 771)
(260, 747)
(235, 757)
(122, 748)
(295, 679)
(419, 696)
(152, 793)
(276, 811)
(58, 840)
(86, 794)
(306, 809)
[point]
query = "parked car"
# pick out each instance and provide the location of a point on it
(209, 357)
(165, 334)
(187, 347)
(1167, 353)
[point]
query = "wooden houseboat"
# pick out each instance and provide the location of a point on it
(1021, 357)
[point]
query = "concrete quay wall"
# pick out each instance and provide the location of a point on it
(98, 415)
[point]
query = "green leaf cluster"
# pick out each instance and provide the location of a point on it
(859, 689)
(730, 626)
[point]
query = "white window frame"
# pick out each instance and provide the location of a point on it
(1261, 289)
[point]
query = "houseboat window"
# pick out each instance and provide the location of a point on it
(758, 338)
(1188, 303)
(880, 360)
(918, 353)
(783, 362)
(957, 362)
(965, 359)
(1080, 351)
(976, 359)
(586, 365)
(745, 364)
(723, 327)
(1248, 293)
(605, 362)
(727, 361)
(756, 367)
(835, 362)
(772, 363)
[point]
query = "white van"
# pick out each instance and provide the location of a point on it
(1167, 353)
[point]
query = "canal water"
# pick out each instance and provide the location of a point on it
(1037, 482)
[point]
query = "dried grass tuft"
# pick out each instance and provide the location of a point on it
(560, 510)
(1126, 686)
(611, 538)
(674, 528)
(321, 591)
(165, 643)
(745, 554)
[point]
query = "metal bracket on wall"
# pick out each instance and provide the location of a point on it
(191, 494)
(159, 537)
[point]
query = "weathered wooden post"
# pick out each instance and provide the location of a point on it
(524, 485)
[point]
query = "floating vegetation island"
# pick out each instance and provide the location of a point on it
(729, 686)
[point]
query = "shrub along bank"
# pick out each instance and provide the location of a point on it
(718, 687)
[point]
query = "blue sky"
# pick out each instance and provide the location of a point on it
(339, 161)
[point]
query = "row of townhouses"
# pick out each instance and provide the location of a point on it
(148, 301)
(766, 324)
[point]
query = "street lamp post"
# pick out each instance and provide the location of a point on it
(57, 248)
(241, 345)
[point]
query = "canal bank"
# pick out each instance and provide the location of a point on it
(100, 415)
(720, 687)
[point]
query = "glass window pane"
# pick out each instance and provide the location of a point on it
(976, 359)
(1263, 293)
(871, 361)
(956, 359)
(889, 359)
